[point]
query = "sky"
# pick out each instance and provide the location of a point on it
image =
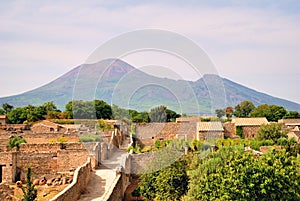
(252, 42)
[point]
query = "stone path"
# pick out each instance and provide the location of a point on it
(100, 182)
(102, 179)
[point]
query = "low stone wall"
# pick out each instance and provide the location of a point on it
(78, 186)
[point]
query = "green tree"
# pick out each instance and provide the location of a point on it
(244, 109)
(272, 131)
(292, 115)
(220, 113)
(235, 175)
(271, 112)
(15, 141)
(7, 107)
(103, 110)
(229, 112)
(170, 183)
(172, 115)
(17, 116)
(30, 192)
(2, 111)
(158, 114)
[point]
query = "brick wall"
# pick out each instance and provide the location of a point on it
(78, 186)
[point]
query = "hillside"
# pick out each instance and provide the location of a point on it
(116, 82)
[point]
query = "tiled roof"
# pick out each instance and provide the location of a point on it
(210, 126)
(46, 123)
(2, 116)
(249, 121)
(187, 119)
(289, 121)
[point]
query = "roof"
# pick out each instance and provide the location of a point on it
(2, 116)
(296, 129)
(249, 121)
(291, 122)
(187, 119)
(46, 123)
(210, 126)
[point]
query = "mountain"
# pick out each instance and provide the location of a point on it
(119, 83)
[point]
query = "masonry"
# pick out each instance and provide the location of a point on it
(45, 159)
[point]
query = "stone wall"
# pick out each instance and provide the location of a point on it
(149, 132)
(207, 135)
(250, 131)
(139, 162)
(120, 183)
(78, 186)
(229, 130)
(70, 159)
(43, 164)
(34, 138)
(6, 161)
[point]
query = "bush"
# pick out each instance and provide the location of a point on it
(15, 142)
(89, 138)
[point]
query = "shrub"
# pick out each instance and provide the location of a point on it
(90, 138)
(30, 192)
(15, 142)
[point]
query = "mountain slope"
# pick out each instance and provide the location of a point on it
(116, 82)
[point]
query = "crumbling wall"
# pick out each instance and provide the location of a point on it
(6, 161)
(250, 131)
(78, 186)
(42, 163)
(149, 132)
(229, 130)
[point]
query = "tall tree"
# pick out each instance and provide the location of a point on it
(229, 112)
(244, 109)
(103, 110)
(7, 107)
(271, 112)
(158, 114)
(292, 115)
(220, 113)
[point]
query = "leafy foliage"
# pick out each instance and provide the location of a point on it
(158, 114)
(169, 183)
(15, 142)
(271, 112)
(89, 138)
(244, 109)
(272, 131)
(231, 174)
(220, 113)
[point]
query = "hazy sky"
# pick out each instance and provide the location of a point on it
(253, 42)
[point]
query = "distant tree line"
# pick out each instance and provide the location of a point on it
(247, 109)
(79, 109)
